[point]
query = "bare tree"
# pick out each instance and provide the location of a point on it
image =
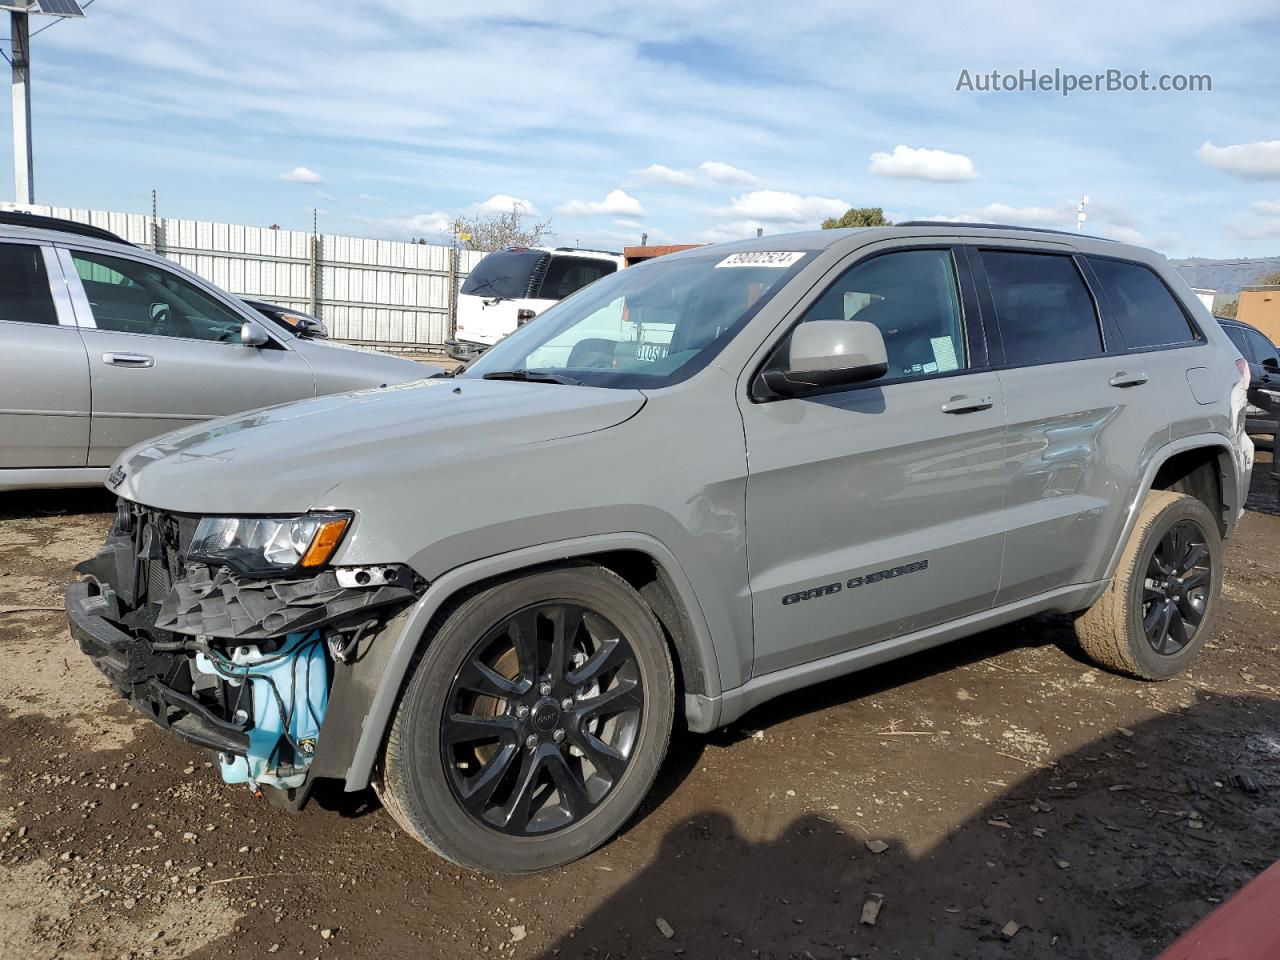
(495, 231)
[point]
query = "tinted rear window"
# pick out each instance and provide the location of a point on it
(566, 275)
(24, 285)
(1263, 349)
(1044, 309)
(1145, 310)
(1241, 341)
(504, 273)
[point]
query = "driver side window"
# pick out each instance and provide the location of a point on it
(914, 298)
(133, 297)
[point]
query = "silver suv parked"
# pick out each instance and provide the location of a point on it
(103, 345)
(493, 596)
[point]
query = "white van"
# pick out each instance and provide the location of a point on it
(511, 286)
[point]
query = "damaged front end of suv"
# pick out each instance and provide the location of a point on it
(238, 635)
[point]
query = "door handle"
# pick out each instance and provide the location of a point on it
(139, 360)
(966, 404)
(1123, 379)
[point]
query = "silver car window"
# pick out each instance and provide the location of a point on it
(129, 296)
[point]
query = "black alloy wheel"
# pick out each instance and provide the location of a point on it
(541, 720)
(1176, 589)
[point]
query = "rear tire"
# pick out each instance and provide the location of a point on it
(1162, 602)
(533, 724)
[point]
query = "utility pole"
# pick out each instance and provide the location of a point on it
(20, 11)
(24, 186)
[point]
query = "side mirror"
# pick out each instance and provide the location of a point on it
(310, 328)
(1271, 363)
(830, 353)
(252, 334)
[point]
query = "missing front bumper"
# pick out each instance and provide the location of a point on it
(144, 677)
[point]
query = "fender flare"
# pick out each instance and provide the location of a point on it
(404, 641)
(1231, 494)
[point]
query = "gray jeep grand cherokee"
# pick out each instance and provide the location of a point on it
(692, 486)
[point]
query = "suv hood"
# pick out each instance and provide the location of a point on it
(285, 459)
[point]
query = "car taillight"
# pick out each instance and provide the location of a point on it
(1245, 376)
(523, 316)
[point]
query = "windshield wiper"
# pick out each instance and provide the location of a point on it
(532, 376)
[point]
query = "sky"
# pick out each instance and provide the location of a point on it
(688, 122)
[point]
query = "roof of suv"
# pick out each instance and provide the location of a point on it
(812, 240)
(34, 221)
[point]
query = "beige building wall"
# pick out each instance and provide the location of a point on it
(1260, 307)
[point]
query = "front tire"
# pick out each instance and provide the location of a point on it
(534, 722)
(1160, 607)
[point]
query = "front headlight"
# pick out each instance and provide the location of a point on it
(269, 545)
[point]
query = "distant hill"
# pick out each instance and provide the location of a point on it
(1225, 276)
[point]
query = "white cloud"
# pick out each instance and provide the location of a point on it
(730, 230)
(1058, 216)
(502, 203)
(777, 206)
(1123, 234)
(723, 173)
(656, 173)
(301, 175)
(921, 163)
(1248, 161)
(436, 224)
(1268, 208)
(618, 203)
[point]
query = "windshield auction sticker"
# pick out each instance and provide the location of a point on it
(760, 258)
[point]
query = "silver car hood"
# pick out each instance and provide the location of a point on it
(285, 459)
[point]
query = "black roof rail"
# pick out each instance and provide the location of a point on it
(997, 226)
(16, 218)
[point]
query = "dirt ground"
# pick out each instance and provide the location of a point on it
(995, 782)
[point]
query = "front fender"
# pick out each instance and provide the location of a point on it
(370, 695)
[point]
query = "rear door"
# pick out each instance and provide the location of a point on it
(874, 510)
(44, 371)
(164, 352)
(1083, 415)
(1265, 393)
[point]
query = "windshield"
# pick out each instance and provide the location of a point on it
(504, 274)
(646, 326)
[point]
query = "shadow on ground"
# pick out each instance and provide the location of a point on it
(1111, 852)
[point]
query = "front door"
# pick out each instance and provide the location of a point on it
(164, 353)
(874, 511)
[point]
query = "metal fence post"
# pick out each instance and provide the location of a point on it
(453, 294)
(313, 287)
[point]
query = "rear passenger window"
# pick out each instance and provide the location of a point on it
(566, 275)
(913, 298)
(1263, 349)
(24, 285)
(1044, 309)
(1145, 310)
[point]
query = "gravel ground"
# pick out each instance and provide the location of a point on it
(996, 797)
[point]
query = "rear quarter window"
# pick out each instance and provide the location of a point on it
(1145, 311)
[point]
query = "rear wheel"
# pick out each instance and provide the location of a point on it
(1159, 608)
(534, 723)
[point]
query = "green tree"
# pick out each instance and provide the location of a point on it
(858, 217)
(1228, 309)
(1269, 279)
